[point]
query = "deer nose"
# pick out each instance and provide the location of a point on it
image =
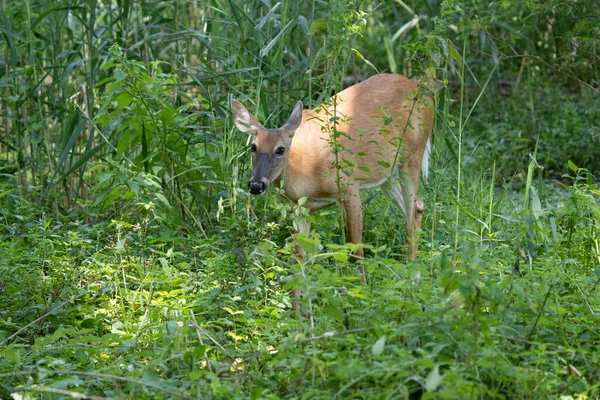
(257, 187)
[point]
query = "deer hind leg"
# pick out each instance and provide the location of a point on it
(354, 225)
(302, 226)
(405, 196)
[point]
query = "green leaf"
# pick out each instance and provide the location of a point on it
(335, 312)
(6, 192)
(163, 199)
(267, 17)
(135, 187)
(103, 82)
(167, 115)
(536, 204)
(123, 100)
(195, 374)
(66, 382)
(166, 267)
(307, 244)
(343, 257)
(454, 54)
(365, 60)
(378, 346)
(112, 196)
(123, 144)
(434, 379)
(119, 76)
(150, 377)
(572, 166)
(232, 312)
(318, 25)
(265, 50)
(357, 293)
(256, 393)
(108, 66)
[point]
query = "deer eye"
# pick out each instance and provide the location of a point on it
(253, 148)
(280, 151)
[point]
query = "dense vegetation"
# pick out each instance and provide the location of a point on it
(133, 263)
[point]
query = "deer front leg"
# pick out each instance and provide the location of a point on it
(302, 226)
(354, 226)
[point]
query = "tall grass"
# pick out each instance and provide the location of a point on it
(57, 66)
(55, 58)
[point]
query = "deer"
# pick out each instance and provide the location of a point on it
(381, 127)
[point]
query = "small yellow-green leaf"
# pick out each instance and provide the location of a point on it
(340, 257)
(357, 293)
(454, 54)
(230, 311)
(369, 63)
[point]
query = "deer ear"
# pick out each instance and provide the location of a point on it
(242, 118)
(294, 120)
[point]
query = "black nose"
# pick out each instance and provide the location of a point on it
(257, 187)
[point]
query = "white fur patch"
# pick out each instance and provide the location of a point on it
(425, 164)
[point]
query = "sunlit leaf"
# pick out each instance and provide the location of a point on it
(378, 346)
(434, 379)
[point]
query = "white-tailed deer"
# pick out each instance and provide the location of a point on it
(379, 128)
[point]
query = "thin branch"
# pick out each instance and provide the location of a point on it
(207, 335)
(568, 75)
(198, 332)
(103, 376)
(540, 313)
(75, 395)
(43, 316)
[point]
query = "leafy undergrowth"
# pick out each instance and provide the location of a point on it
(133, 311)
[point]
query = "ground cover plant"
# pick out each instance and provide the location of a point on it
(134, 264)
